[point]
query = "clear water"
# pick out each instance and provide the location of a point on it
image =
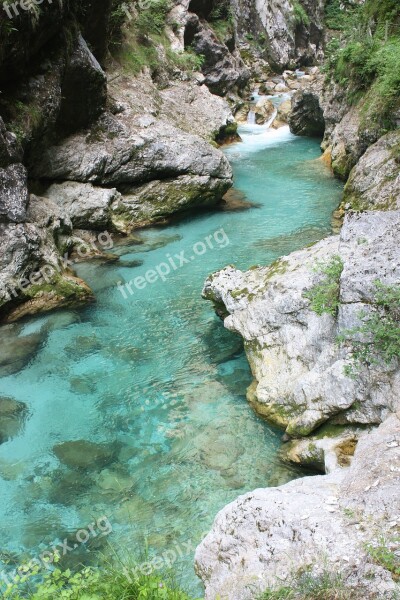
(158, 377)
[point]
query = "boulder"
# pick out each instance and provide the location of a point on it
(83, 90)
(300, 372)
(264, 539)
(374, 183)
(14, 195)
(88, 206)
(223, 70)
(11, 418)
(81, 454)
(264, 109)
(124, 152)
(307, 117)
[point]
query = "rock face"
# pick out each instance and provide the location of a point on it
(306, 117)
(299, 369)
(324, 523)
(289, 37)
(222, 69)
(374, 183)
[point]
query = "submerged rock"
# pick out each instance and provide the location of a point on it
(17, 352)
(81, 454)
(12, 415)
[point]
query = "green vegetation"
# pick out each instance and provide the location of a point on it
(324, 295)
(364, 57)
(385, 554)
(94, 584)
(379, 334)
(300, 15)
(307, 586)
(143, 42)
(221, 21)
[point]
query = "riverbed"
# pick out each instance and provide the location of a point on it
(150, 372)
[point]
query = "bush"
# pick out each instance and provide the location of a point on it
(300, 15)
(324, 295)
(380, 329)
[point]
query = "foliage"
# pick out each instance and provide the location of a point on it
(385, 554)
(365, 59)
(300, 15)
(307, 586)
(380, 329)
(92, 584)
(152, 19)
(324, 295)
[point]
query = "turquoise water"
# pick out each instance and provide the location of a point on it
(155, 376)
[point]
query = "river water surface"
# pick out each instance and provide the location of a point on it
(156, 377)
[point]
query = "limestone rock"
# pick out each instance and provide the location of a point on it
(83, 90)
(264, 109)
(11, 418)
(13, 193)
(307, 116)
(299, 369)
(374, 183)
(88, 206)
(262, 539)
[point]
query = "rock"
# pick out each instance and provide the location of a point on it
(283, 115)
(299, 369)
(264, 538)
(284, 39)
(223, 70)
(11, 418)
(374, 183)
(10, 151)
(81, 454)
(307, 116)
(125, 154)
(264, 109)
(83, 90)
(281, 88)
(13, 193)
(88, 206)
(17, 352)
(159, 200)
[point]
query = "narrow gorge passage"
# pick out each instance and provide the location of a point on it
(155, 379)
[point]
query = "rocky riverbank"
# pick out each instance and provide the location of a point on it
(317, 325)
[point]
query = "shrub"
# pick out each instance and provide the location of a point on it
(300, 15)
(324, 295)
(380, 329)
(385, 553)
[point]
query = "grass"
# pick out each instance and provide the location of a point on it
(111, 582)
(300, 15)
(364, 57)
(385, 553)
(379, 331)
(324, 295)
(307, 586)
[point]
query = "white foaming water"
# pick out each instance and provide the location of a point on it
(251, 118)
(259, 137)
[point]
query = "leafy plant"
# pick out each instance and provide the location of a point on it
(300, 15)
(95, 583)
(324, 295)
(386, 554)
(379, 333)
(307, 586)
